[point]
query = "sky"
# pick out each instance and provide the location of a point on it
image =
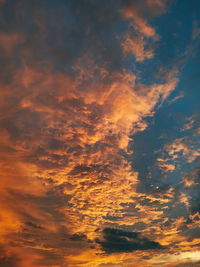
(99, 133)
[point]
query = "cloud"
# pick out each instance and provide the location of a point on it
(183, 148)
(8, 41)
(136, 11)
(181, 95)
(192, 186)
(163, 164)
(186, 258)
(136, 47)
(116, 241)
(192, 124)
(69, 105)
(182, 145)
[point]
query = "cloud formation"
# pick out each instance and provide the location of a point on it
(71, 105)
(122, 241)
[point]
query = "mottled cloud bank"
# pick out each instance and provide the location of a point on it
(69, 104)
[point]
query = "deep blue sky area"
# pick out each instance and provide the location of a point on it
(177, 48)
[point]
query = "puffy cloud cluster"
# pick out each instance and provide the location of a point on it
(184, 148)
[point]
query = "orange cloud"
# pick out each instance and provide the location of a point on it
(181, 145)
(141, 23)
(8, 41)
(135, 12)
(60, 137)
(136, 47)
(163, 164)
(64, 156)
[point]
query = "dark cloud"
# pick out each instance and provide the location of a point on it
(116, 240)
(192, 233)
(187, 264)
(65, 31)
(8, 259)
(192, 187)
(78, 237)
(34, 225)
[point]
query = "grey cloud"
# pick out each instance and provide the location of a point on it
(115, 240)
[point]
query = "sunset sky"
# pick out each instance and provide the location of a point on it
(99, 133)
